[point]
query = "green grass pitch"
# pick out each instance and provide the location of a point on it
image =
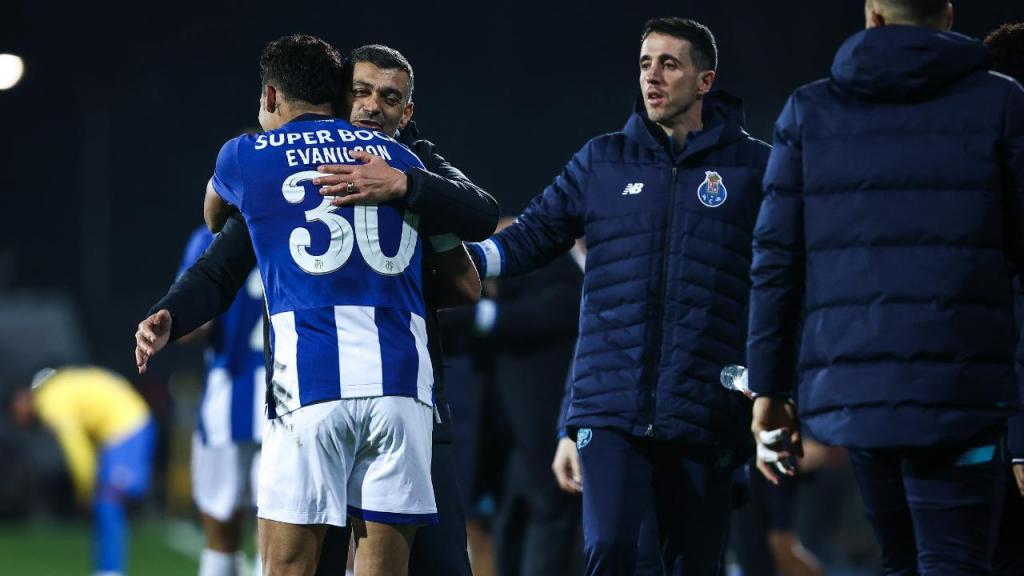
(155, 549)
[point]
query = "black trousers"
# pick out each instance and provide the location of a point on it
(689, 486)
(934, 510)
(438, 550)
(1009, 556)
(536, 529)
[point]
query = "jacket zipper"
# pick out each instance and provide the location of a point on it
(660, 305)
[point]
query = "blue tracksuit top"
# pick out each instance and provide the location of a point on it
(665, 296)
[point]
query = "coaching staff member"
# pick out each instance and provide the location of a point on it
(667, 205)
(890, 231)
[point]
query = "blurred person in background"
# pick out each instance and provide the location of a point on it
(667, 206)
(891, 228)
(531, 325)
(1006, 52)
(380, 97)
(107, 436)
(478, 427)
(226, 442)
(766, 538)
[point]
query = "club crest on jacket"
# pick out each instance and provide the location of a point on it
(712, 192)
(583, 437)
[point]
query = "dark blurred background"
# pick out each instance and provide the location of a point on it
(111, 135)
(108, 140)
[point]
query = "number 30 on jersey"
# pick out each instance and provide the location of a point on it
(366, 234)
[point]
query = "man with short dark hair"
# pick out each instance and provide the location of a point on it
(383, 58)
(447, 202)
(667, 206)
(379, 97)
(349, 436)
(892, 225)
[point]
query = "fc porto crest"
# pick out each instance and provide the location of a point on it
(583, 436)
(712, 192)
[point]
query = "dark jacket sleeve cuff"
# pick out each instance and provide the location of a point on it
(766, 377)
(178, 324)
(413, 189)
(1015, 438)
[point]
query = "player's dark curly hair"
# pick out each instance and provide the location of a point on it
(1006, 50)
(302, 67)
(703, 49)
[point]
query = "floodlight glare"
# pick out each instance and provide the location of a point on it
(11, 69)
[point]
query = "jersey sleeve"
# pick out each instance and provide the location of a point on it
(407, 160)
(227, 175)
(547, 228)
(79, 455)
(198, 242)
(447, 200)
(81, 459)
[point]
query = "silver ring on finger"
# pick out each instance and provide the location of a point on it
(350, 188)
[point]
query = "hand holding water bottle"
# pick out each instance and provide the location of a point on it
(774, 425)
(777, 433)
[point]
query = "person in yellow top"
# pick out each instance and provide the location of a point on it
(107, 435)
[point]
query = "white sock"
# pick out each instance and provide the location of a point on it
(214, 563)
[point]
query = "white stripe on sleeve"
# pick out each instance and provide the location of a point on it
(492, 258)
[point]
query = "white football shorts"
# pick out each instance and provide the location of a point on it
(224, 477)
(363, 457)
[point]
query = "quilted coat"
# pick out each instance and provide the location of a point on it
(665, 296)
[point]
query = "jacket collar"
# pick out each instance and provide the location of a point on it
(408, 135)
(722, 116)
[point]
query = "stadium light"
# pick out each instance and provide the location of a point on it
(11, 69)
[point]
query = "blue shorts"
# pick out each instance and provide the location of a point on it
(126, 465)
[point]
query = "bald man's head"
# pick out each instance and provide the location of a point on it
(931, 13)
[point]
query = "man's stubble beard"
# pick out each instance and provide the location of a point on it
(671, 117)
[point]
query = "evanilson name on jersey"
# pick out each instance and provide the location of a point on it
(343, 283)
(324, 154)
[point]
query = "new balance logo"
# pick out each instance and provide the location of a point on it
(633, 189)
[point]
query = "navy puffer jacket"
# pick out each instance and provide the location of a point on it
(886, 244)
(666, 288)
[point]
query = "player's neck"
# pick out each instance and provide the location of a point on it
(291, 111)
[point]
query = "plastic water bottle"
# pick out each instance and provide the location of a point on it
(734, 378)
(770, 443)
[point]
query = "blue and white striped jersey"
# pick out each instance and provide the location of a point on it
(231, 409)
(343, 285)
